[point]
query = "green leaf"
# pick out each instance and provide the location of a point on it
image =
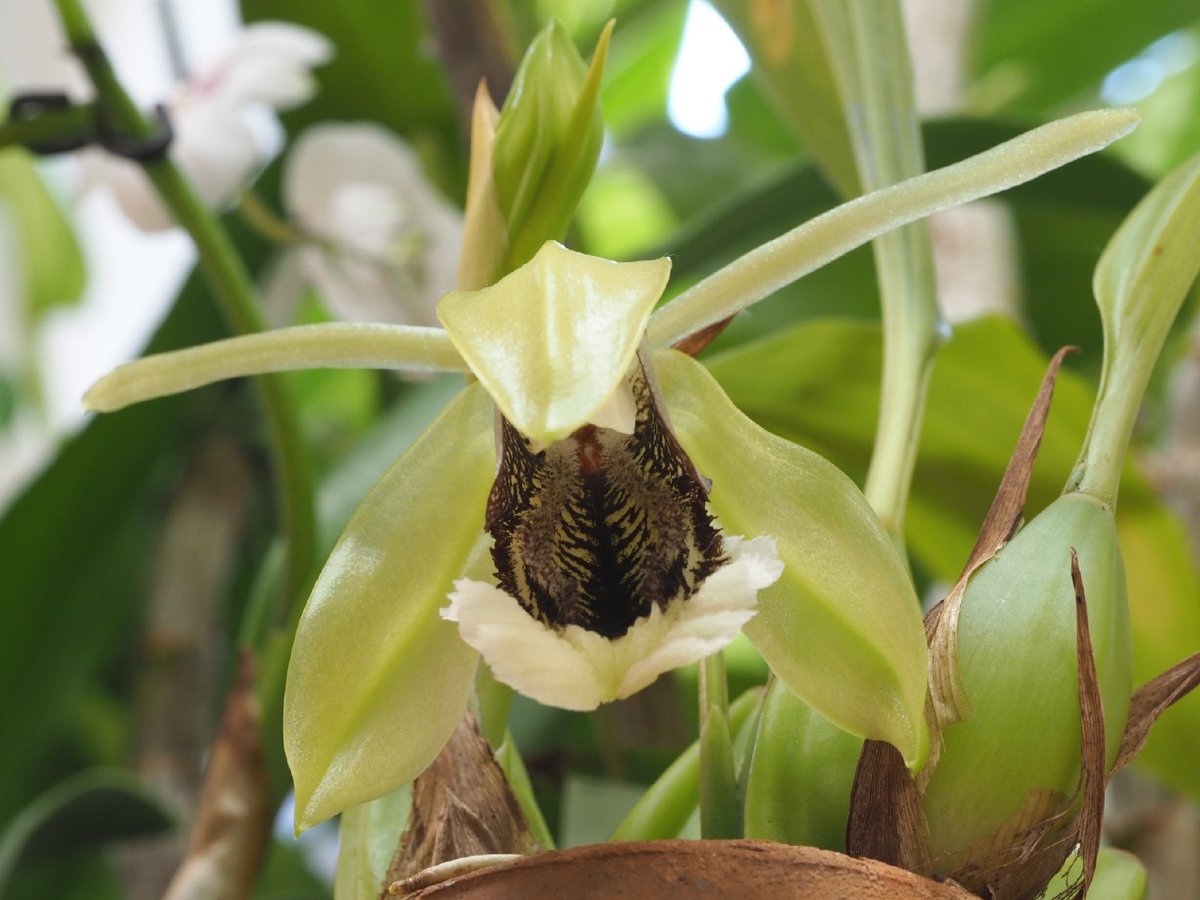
(791, 61)
(368, 836)
(377, 681)
(49, 261)
(842, 627)
(637, 76)
(1163, 587)
(1032, 55)
(63, 621)
(90, 809)
(1119, 876)
(1141, 281)
(383, 47)
(801, 771)
(552, 340)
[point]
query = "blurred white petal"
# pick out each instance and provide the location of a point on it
(213, 145)
(269, 64)
(386, 243)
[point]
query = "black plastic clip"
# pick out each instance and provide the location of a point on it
(149, 149)
(29, 106)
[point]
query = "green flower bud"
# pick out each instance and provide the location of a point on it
(548, 138)
(1014, 764)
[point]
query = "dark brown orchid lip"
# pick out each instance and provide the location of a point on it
(600, 527)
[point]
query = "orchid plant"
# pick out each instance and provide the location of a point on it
(591, 510)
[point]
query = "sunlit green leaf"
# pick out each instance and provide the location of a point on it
(377, 681)
(842, 627)
(48, 259)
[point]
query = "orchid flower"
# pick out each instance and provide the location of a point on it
(222, 120)
(578, 460)
(381, 244)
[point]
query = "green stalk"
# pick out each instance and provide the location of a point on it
(231, 285)
(1123, 381)
(868, 52)
(720, 813)
(665, 808)
(52, 125)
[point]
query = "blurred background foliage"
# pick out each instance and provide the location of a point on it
(105, 684)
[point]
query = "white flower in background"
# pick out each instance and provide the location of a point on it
(382, 242)
(223, 120)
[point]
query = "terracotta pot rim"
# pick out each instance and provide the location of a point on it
(641, 870)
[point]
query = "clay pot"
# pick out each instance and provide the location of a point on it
(744, 870)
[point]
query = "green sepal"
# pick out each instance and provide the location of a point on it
(548, 139)
(842, 626)
(377, 681)
(1015, 761)
(552, 340)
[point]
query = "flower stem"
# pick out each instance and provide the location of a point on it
(720, 814)
(230, 282)
(868, 53)
(47, 127)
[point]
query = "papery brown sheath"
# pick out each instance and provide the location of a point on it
(601, 526)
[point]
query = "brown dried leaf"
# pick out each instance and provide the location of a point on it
(461, 806)
(234, 818)
(1151, 700)
(886, 821)
(1094, 775)
(950, 701)
(1017, 861)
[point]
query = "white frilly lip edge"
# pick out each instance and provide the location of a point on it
(579, 669)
